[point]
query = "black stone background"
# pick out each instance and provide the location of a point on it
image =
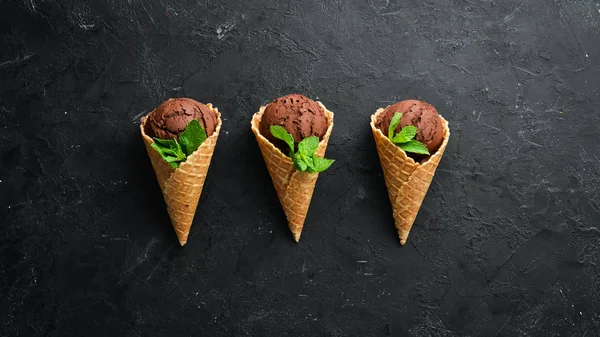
(507, 240)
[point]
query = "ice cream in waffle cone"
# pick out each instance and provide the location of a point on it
(181, 187)
(294, 188)
(407, 180)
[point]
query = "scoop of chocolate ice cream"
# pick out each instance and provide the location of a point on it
(170, 118)
(299, 115)
(430, 130)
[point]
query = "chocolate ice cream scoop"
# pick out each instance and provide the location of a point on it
(430, 131)
(170, 118)
(299, 115)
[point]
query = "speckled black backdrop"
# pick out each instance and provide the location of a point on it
(507, 242)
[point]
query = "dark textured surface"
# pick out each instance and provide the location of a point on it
(507, 242)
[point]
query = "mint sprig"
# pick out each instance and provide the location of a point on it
(192, 137)
(404, 138)
(305, 159)
(175, 151)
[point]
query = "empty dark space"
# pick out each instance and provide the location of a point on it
(506, 243)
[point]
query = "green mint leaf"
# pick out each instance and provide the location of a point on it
(165, 146)
(164, 142)
(177, 159)
(308, 145)
(310, 163)
(305, 159)
(175, 152)
(163, 151)
(280, 133)
(299, 163)
(321, 164)
(407, 133)
(158, 149)
(192, 137)
(169, 150)
(414, 146)
(404, 138)
(394, 124)
(168, 146)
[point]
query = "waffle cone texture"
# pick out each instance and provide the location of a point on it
(181, 187)
(294, 188)
(407, 181)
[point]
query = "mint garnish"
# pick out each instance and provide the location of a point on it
(404, 138)
(305, 159)
(175, 151)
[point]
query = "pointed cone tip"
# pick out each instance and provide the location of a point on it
(402, 238)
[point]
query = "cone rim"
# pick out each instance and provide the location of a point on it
(257, 117)
(215, 134)
(406, 156)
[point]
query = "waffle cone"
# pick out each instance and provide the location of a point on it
(182, 187)
(294, 188)
(407, 181)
